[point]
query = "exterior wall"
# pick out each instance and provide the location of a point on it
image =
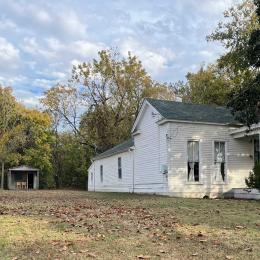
(158, 146)
(150, 154)
(238, 159)
(111, 182)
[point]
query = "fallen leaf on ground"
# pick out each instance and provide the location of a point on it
(143, 257)
(92, 255)
(83, 251)
(239, 227)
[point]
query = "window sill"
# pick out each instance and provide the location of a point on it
(219, 183)
(193, 183)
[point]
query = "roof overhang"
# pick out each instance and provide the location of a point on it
(140, 114)
(98, 157)
(244, 131)
(165, 120)
(24, 168)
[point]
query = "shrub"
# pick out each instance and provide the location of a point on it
(253, 180)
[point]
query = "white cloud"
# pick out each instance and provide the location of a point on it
(217, 7)
(86, 48)
(31, 46)
(9, 55)
(42, 16)
(41, 40)
(44, 83)
(153, 60)
(7, 24)
(31, 101)
(10, 81)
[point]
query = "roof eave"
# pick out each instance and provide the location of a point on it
(112, 154)
(166, 120)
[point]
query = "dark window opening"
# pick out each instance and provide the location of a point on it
(119, 168)
(101, 173)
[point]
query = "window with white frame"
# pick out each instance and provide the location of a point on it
(220, 161)
(101, 173)
(91, 177)
(193, 161)
(119, 163)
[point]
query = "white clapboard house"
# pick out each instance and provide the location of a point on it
(178, 149)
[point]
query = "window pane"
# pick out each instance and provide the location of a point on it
(195, 151)
(219, 155)
(222, 151)
(223, 171)
(216, 151)
(101, 173)
(193, 161)
(219, 159)
(190, 151)
(119, 167)
(189, 171)
(196, 171)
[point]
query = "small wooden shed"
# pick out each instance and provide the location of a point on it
(23, 178)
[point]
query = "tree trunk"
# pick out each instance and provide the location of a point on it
(3, 175)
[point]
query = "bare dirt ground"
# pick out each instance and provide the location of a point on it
(81, 225)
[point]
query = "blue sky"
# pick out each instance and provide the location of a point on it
(41, 40)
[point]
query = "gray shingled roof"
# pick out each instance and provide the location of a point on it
(192, 112)
(123, 147)
(179, 111)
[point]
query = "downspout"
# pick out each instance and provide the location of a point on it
(94, 176)
(133, 150)
(259, 148)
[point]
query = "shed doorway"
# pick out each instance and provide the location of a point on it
(30, 180)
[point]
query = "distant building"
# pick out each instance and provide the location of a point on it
(23, 178)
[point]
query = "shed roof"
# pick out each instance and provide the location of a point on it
(23, 168)
(122, 147)
(192, 112)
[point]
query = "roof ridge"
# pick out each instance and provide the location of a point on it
(187, 103)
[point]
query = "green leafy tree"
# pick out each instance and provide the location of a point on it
(24, 136)
(9, 125)
(207, 86)
(37, 150)
(244, 103)
(71, 159)
(253, 181)
(234, 34)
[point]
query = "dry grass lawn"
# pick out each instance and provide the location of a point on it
(82, 225)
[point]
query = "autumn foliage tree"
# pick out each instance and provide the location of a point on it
(24, 135)
(108, 92)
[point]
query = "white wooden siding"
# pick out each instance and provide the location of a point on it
(150, 153)
(111, 182)
(238, 161)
